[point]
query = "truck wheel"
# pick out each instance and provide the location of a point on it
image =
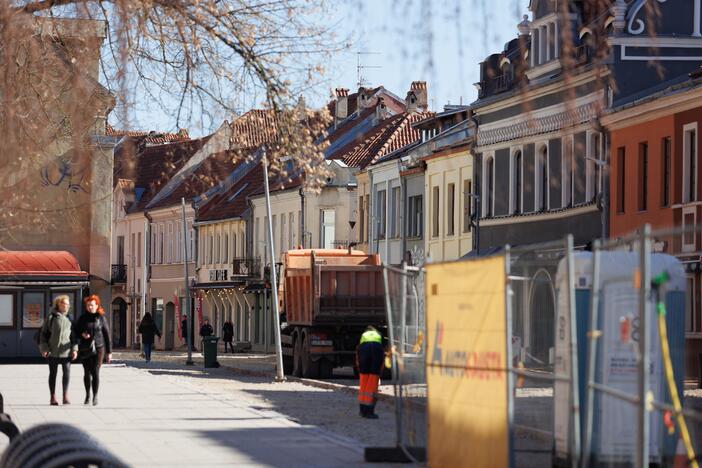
(326, 369)
(297, 356)
(310, 369)
(288, 365)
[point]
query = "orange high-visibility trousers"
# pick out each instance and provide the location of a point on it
(368, 389)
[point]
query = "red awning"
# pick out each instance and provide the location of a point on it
(39, 263)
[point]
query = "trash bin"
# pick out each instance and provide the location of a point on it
(209, 350)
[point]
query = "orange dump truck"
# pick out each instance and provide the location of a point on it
(328, 298)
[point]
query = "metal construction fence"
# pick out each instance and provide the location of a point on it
(599, 339)
(404, 289)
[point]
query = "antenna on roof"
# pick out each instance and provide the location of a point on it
(360, 81)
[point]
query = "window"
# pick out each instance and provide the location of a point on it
(132, 245)
(690, 296)
(177, 243)
(414, 216)
(690, 162)
(275, 224)
(366, 231)
(689, 220)
(450, 209)
(621, 179)
(435, 212)
(328, 229)
(217, 249)
(489, 186)
(138, 260)
(225, 255)
(361, 219)
(665, 171)
(380, 214)
(517, 183)
(256, 238)
(467, 204)
(152, 230)
(283, 232)
(395, 212)
(542, 180)
(232, 250)
(120, 250)
(33, 309)
(643, 176)
(291, 229)
(161, 243)
(210, 249)
(7, 310)
(592, 169)
(567, 167)
(191, 240)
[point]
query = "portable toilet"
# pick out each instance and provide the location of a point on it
(615, 428)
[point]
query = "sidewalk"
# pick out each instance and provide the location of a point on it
(151, 418)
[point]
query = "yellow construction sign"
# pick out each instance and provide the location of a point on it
(466, 357)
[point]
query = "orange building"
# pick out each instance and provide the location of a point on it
(656, 178)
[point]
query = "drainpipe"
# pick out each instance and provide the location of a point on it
(403, 197)
(302, 218)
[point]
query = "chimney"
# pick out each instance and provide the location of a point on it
(417, 97)
(341, 105)
(364, 98)
(381, 110)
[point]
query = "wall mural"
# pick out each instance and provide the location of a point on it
(64, 169)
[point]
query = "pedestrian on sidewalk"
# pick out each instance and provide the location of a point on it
(148, 330)
(58, 345)
(369, 360)
(206, 329)
(228, 335)
(94, 346)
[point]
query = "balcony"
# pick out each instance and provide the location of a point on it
(244, 266)
(119, 274)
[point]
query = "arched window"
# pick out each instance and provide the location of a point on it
(542, 180)
(489, 186)
(517, 179)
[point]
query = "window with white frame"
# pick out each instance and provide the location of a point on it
(283, 232)
(690, 306)
(450, 209)
(381, 219)
(467, 204)
(541, 174)
(210, 248)
(489, 187)
(161, 242)
(152, 236)
(328, 229)
(395, 212)
(225, 257)
(139, 249)
(171, 254)
(689, 221)
(592, 168)
(191, 240)
(233, 253)
(415, 216)
(690, 162)
(567, 171)
(291, 230)
(517, 182)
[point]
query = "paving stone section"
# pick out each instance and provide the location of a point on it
(167, 414)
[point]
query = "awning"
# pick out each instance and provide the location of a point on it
(40, 266)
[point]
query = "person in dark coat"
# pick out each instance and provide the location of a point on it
(206, 329)
(94, 346)
(148, 330)
(370, 358)
(228, 335)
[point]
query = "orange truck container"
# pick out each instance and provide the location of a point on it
(328, 298)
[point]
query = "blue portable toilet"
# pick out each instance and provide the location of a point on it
(615, 427)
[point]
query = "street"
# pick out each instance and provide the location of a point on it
(167, 414)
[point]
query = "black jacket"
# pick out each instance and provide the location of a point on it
(96, 326)
(148, 330)
(206, 330)
(370, 358)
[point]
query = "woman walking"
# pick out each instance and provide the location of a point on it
(148, 329)
(228, 335)
(94, 345)
(58, 346)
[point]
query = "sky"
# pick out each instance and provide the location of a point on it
(441, 42)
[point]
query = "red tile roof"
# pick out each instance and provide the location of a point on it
(149, 137)
(39, 263)
(151, 167)
(254, 128)
(193, 183)
(232, 202)
(391, 134)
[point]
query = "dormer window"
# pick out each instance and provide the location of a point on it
(544, 40)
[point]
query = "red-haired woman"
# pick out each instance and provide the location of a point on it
(94, 345)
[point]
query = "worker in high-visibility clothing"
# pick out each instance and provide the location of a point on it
(370, 358)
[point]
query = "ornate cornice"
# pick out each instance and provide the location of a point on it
(539, 125)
